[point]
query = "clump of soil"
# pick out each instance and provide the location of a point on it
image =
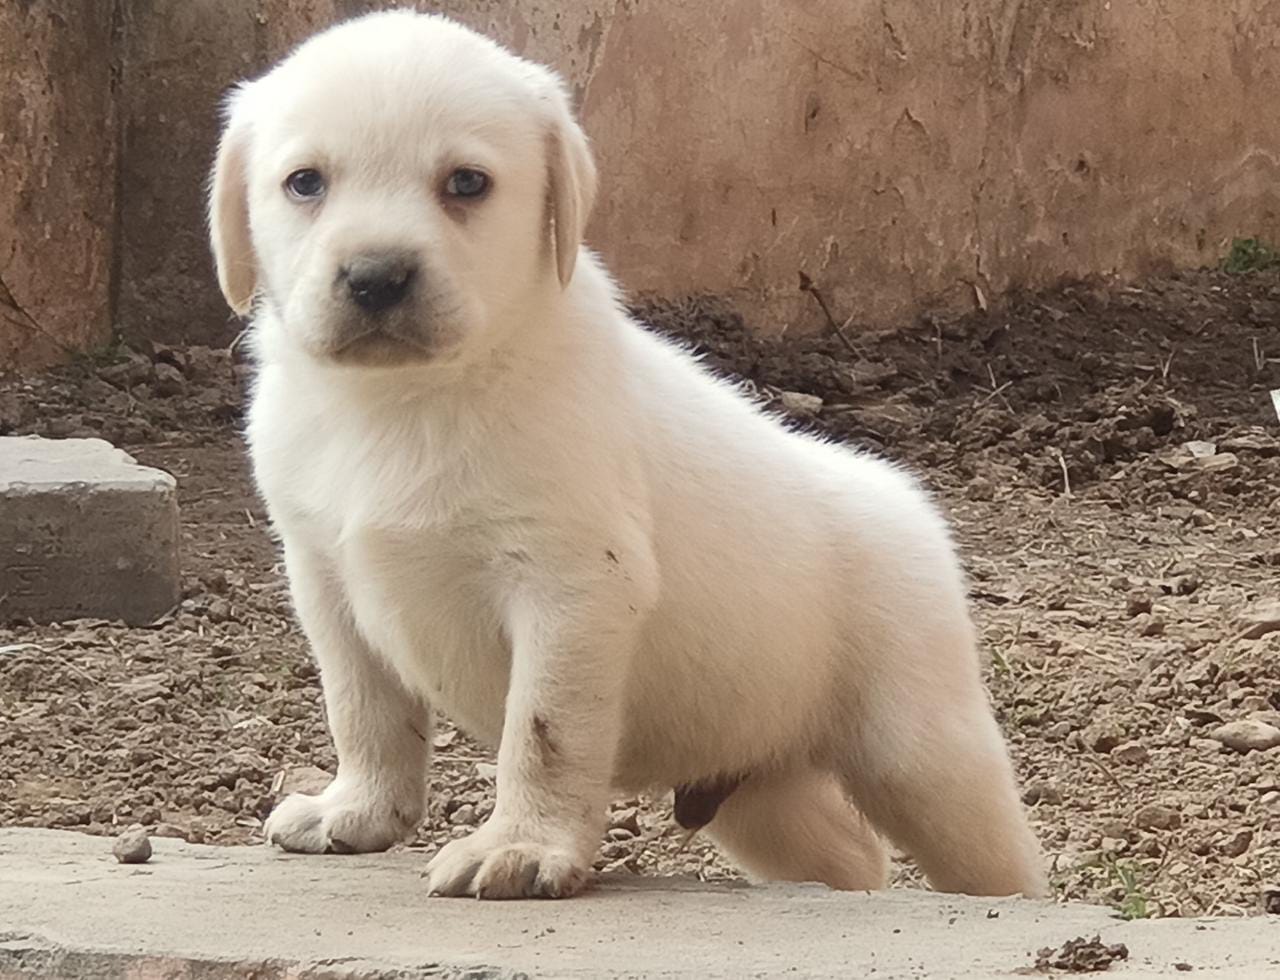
(1108, 455)
(1081, 955)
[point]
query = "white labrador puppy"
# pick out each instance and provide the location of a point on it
(499, 496)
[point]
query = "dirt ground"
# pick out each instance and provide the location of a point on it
(1110, 458)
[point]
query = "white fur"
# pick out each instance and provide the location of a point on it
(559, 529)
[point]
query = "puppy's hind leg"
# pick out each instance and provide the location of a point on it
(797, 825)
(929, 767)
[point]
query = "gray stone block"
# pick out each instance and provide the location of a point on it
(85, 532)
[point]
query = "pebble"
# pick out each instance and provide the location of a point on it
(1058, 731)
(1262, 619)
(1247, 735)
(169, 381)
(1271, 900)
(800, 403)
(980, 488)
(300, 779)
(1238, 843)
(1157, 817)
(1103, 737)
(1137, 604)
(465, 814)
(444, 739)
(133, 846)
(1045, 793)
(627, 819)
(1133, 753)
(1151, 626)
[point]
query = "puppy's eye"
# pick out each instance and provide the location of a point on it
(305, 184)
(467, 182)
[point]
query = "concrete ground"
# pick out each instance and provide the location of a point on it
(68, 909)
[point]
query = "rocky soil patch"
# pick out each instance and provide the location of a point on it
(1110, 457)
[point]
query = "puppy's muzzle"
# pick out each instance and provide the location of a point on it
(377, 282)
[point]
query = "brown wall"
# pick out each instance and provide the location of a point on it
(57, 177)
(902, 153)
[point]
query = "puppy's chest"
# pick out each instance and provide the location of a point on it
(431, 606)
(412, 548)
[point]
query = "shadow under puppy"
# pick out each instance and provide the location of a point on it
(499, 496)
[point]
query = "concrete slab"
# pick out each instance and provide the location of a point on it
(85, 532)
(67, 909)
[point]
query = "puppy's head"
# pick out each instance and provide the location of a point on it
(397, 191)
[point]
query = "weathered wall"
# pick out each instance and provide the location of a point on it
(57, 177)
(902, 153)
(178, 58)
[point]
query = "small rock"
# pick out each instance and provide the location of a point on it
(1262, 619)
(135, 370)
(1218, 461)
(169, 381)
(1102, 737)
(1115, 828)
(1081, 955)
(1114, 845)
(1198, 449)
(1201, 716)
(169, 830)
(1247, 735)
(1237, 843)
(1151, 626)
(486, 770)
(627, 819)
(980, 488)
(1271, 901)
(1157, 817)
(1257, 441)
(1041, 793)
(444, 739)
(1137, 604)
(133, 846)
(614, 850)
(219, 611)
(1133, 753)
(465, 814)
(870, 374)
(1202, 673)
(799, 403)
(300, 779)
(1058, 731)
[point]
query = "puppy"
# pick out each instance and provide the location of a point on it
(500, 497)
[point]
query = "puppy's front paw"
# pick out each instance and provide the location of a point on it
(498, 861)
(341, 820)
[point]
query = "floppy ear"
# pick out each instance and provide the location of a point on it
(572, 185)
(229, 214)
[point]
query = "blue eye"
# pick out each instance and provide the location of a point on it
(305, 184)
(467, 182)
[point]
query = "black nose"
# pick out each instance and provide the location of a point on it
(379, 282)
